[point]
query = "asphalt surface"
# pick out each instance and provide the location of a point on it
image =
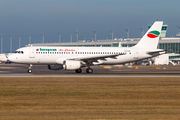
(19, 70)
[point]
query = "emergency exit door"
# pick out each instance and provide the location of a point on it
(135, 53)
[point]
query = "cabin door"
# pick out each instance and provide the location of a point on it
(31, 53)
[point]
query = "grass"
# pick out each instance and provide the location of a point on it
(89, 98)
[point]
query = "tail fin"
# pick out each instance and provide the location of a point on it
(151, 38)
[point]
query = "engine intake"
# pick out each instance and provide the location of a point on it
(71, 65)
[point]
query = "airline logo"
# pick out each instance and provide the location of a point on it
(40, 49)
(153, 34)
(65, 50)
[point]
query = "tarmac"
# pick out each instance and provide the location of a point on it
(20, 70)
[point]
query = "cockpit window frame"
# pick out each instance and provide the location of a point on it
(19, 52)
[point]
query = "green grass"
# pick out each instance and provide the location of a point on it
(90, 98)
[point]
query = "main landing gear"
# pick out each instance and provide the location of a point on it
(30, 68)
(88, 70)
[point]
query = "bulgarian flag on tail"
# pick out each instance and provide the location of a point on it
(153, 34)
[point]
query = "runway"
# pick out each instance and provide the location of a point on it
(85, 75)
(18, 70)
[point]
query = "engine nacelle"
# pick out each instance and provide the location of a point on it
(72, 65)
(55, 67)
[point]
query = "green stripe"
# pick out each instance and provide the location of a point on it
(155, 32)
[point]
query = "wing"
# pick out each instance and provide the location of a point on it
(90, 59)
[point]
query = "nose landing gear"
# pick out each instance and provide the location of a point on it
(30, 68)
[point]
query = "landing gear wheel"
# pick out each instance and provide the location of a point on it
(29, 71)
(78, 70)
(89, 70)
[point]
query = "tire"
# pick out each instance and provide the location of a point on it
(89, 70)
(29, 71)
(78, 70)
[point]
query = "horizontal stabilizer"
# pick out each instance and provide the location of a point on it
(156, 51)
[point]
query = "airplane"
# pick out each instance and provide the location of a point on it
(75, 58)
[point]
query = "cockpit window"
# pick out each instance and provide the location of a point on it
(19, 52)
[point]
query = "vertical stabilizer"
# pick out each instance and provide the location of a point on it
(151, 38)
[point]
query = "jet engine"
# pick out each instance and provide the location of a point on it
(72, 65)
(55, 67)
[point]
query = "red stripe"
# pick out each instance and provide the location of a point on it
(151, 35)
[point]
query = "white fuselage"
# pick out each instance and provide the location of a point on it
(56, 55)
(74, 58)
